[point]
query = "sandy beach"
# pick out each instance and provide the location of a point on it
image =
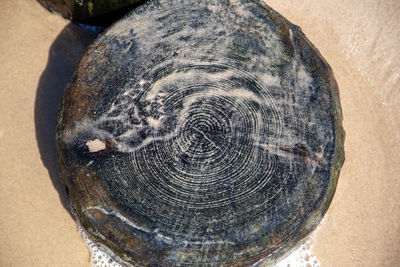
(360, 39)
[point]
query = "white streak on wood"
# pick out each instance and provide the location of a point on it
(119, 216)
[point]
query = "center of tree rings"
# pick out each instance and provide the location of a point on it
(201, 133)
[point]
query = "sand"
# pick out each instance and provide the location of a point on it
(359, 38)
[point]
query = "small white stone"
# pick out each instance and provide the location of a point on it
(95, 145)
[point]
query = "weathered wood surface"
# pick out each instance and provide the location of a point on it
(93, 12)
(201, 132)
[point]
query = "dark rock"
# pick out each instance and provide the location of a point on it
(92, 12)
(201, 132)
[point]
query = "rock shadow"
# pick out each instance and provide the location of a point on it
(64, 54)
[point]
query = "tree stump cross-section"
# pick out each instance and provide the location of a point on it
(201, 132)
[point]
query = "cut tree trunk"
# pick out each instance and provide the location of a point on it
(201, 133)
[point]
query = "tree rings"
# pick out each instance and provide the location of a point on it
(201, 133)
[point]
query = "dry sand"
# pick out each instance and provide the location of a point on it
(359, 38)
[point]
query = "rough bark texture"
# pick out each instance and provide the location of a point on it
(201, 132)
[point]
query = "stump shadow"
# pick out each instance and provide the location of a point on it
(64, 54)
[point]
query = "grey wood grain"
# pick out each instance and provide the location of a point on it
(201, 133)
